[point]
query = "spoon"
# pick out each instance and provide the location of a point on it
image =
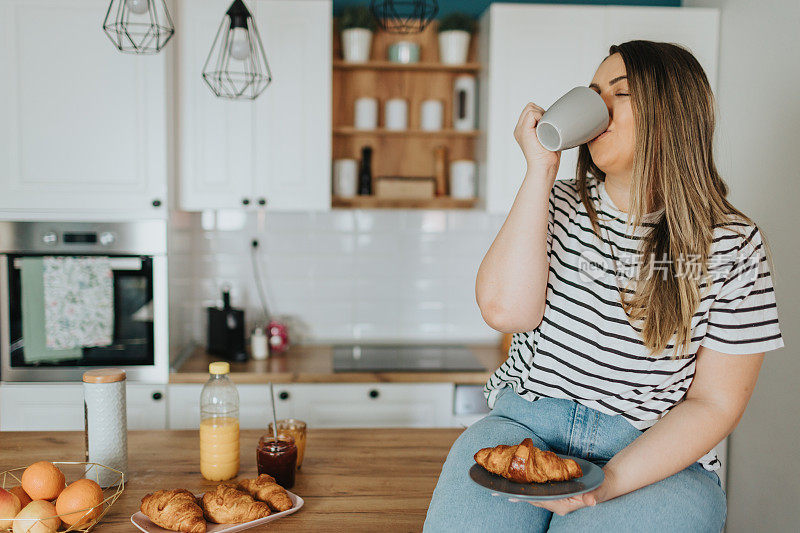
(274, 418)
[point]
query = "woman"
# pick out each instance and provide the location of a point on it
(640, 299)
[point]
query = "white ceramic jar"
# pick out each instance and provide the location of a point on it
(356, 44)
(105, 423)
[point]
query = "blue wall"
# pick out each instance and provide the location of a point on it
(476, 7)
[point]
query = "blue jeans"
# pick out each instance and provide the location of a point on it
(690, 501)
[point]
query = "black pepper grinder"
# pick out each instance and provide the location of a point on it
(365, 173)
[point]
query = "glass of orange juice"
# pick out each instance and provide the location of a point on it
(295, 429)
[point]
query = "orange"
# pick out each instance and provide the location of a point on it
(24, 499)
(74, 502)
(43, 481)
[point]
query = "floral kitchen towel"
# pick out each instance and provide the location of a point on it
(78, 302)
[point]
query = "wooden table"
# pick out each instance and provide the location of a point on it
(351, 479)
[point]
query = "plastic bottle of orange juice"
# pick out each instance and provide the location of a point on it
(219, 425)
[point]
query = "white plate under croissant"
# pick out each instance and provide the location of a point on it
(141, 521)
(230, 506)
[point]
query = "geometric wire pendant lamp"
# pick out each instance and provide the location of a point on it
(138, 26)
(404, 16)
(237, 66)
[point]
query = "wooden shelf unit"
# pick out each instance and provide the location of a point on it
(408, 152)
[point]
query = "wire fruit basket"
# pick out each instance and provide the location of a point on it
(73, 471)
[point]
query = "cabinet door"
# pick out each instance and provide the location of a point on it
(82, 126)
(255, 410)
(215, 135)
(183, 406)
(293, 115)
(531, 54)
(374, 405)
(146, 406)
(695, 28)
(41, 407)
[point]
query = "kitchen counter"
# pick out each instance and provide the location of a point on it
(351, 479)
(314, 364)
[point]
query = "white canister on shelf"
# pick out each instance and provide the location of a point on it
(345, 178)
(462, 179)
(464, 103)
(366, 113)
(432, 113)
(105, 423)
(258, 345)
(356, 45)
(454, 47)
(396, 114)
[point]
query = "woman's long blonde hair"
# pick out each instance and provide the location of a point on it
(673, 168)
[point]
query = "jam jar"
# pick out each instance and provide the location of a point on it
(278, 458)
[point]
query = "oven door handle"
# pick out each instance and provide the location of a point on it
(117, 263)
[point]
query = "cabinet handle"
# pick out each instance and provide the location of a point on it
(374, 393)
(283, 395)
(262, 201)
(156, 203)
(245, 201)
(157, 396)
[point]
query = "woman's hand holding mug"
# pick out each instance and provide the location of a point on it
(539, 159)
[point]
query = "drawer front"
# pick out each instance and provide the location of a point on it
(41, 407)
(373, 405)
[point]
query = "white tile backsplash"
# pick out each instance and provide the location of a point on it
(371, 275)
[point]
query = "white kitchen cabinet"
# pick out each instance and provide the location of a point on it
(327, 405)
(59, 406)
(41, 407)
(146, 406)
(276, 149)
(372, 404)
(255, 410)
(83, 127)
(536, 53)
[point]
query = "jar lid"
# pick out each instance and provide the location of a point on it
(219, 367)
(104, 375)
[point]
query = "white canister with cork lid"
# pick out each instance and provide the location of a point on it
(105, 423)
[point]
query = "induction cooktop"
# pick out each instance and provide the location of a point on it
(404, 358)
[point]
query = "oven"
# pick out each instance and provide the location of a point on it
(133, 308)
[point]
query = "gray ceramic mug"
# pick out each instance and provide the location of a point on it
(575, 118)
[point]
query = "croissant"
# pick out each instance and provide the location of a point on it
(265, 489)
(229, 505)
(525, 463)
(176, 510)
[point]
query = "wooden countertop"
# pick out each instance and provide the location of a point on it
(351, 479)
(314, 364)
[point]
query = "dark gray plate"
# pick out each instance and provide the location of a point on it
(592, 478)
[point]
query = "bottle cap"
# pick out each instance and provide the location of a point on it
(219, 367)
(104, 375)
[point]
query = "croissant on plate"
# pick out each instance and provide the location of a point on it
(176, 510)
(265, 489)
(525, 463)
(229, 505)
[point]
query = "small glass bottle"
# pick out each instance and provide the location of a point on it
(219, 425)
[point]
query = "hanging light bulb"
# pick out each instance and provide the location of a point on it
(237, 66)
(240, 44)
(138, 6)
(404, 16)
(138, 26)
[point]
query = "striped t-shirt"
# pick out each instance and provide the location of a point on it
(586, 350)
